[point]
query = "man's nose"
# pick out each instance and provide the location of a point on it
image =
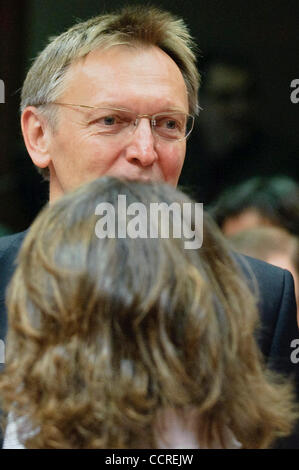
(141, 147)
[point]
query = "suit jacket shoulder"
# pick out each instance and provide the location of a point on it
(9, 241)
(9, 248)
(277, 309)
(278, 319)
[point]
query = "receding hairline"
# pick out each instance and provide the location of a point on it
(134, 48)
(182, 52)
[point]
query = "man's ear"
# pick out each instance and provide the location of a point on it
(36, 136)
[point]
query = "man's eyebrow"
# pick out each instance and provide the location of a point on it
(109, 105)
(172, 109)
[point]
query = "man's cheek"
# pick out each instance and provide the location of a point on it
(173, 168)
(97, 160)
(177, 159)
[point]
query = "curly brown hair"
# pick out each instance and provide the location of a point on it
(104, 333)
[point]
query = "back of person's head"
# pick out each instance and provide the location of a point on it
(105, 333)
(259, 201)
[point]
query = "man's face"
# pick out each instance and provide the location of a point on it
(145, 81)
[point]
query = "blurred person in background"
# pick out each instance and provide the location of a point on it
(134, 342)
(228, 144)
(273, 245)
(271, 201)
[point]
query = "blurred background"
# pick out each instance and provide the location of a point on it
(248, 126)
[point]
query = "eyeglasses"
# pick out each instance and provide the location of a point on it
(169, 125)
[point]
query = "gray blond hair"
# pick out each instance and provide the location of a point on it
(138, 25)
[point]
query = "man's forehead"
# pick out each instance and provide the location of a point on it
(129, 54)
(127, 69)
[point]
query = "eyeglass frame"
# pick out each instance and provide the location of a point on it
(137, 119)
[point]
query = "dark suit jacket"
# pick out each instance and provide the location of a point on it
(277, 307)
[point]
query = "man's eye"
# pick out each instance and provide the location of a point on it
(168, 124)
(111, 123)
(171, 124)
(114, 120)
(108, 120)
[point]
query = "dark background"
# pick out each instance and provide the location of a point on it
(263, 31)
